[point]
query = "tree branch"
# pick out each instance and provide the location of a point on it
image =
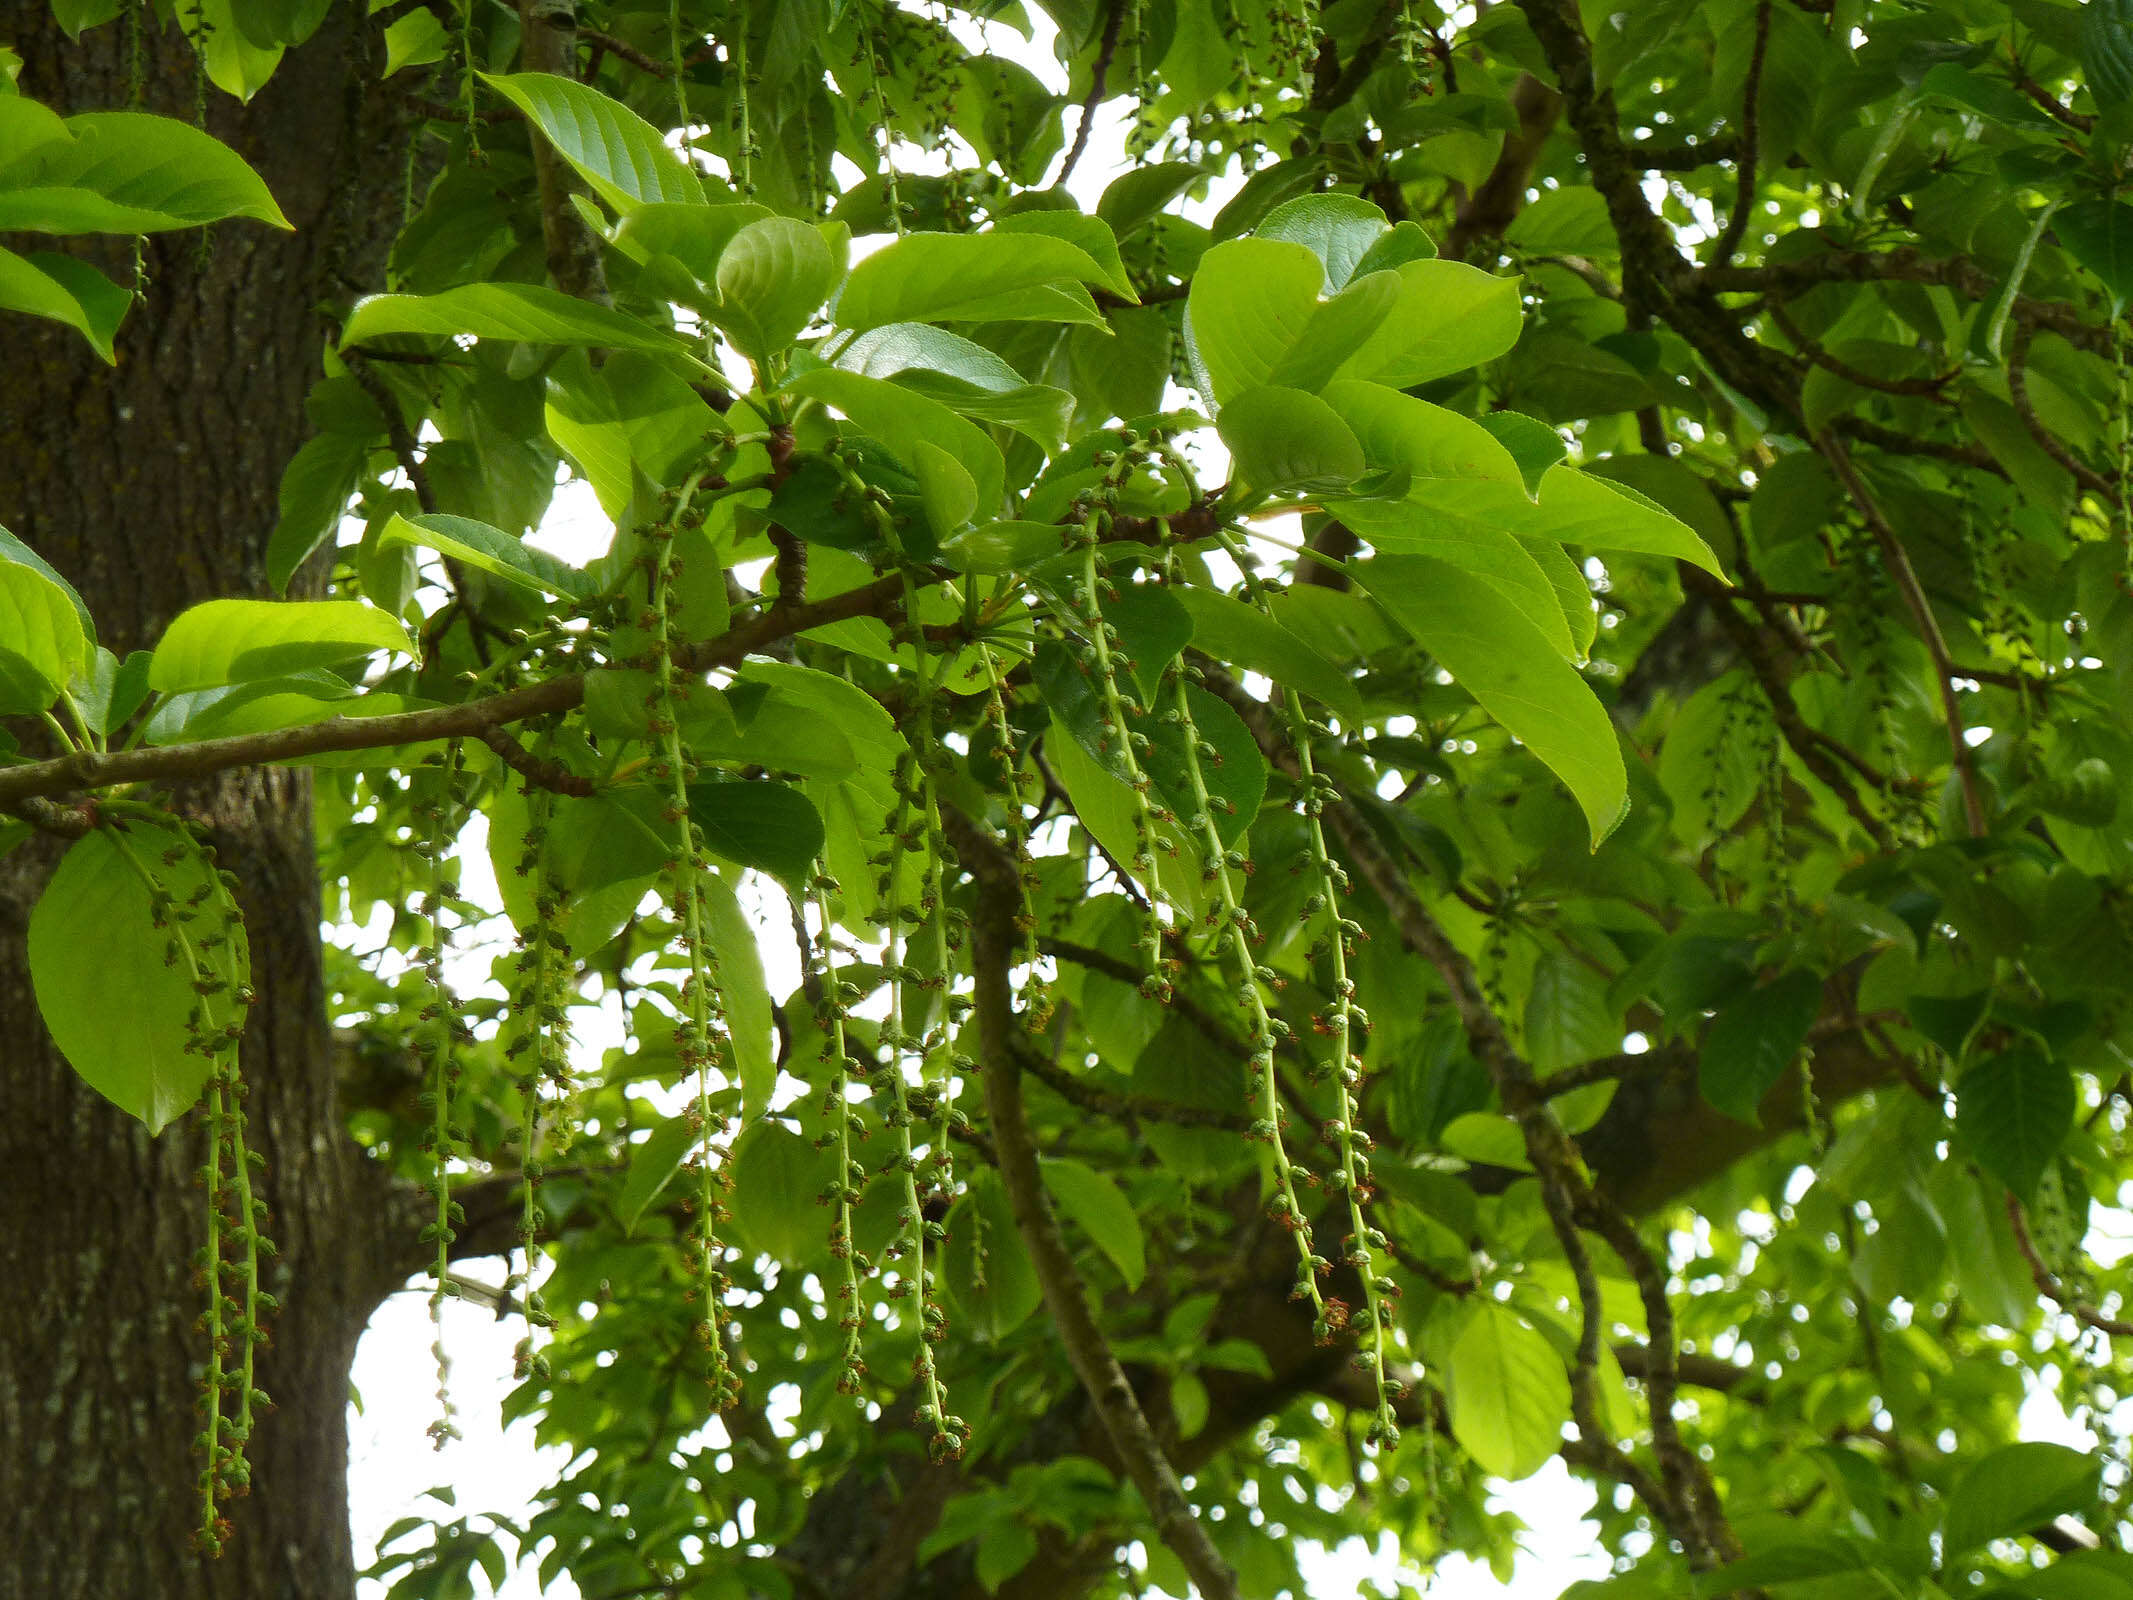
(1106, 48)
(993, 944)
(550, 29)
(182, 762)
(1750, 128)
(2018, 394)
(2048, 1283)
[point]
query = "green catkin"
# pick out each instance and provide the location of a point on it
(541, 1057)
(201, 934)
(695, 1036)
(1777, 863)
(871, 56)
(1101, 663)
(907, 833)
(1037, 1004)
(446, 1033)
(1340, 1022)
(843, 1122)
(913, 826)
(2125, 444)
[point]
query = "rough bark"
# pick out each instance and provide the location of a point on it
(151, 486)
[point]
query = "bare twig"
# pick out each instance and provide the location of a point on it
(1106, 48)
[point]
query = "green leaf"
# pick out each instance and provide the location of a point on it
(1575, 508)
(1005, 1547)
(1753, 1039)
(1399, 431)
(78, 16)
(1570, 221)
(316, 487)
(65, 290)
(975, 277)
(1449, 317)
(1533, 444)
(991, 1285)
(2106, 46)
(613, 149)
(1568, 1017)
(42, 645)
(1286, 439)
(2014, 1110)
(1000, 547)
(1233, 631)
(1573, 593)
(109, 691)
(603, 851)
(902, 420)
(516, 311)
(489, 550)
(2099, 235)
(93, 939)
(1499, 656)
(1234, 777)
(1189, 1404)
(1711, 763)
(1796, 1558)
(694, 235)
(160, 172)
(1337, 329)
(1502, 563)
(233, 63)
(653, 1163)
(233, 641)
(947, 492)
(1339, 229)
(1250, 301)
(771, 827)
(772, 279)
(415, 40)
(15, 551)
(2015, 1489)
(1507, 1392)
(1095, 1204)
(900, 347)
(1090, 235)
(750, 1021)
(777, 1183)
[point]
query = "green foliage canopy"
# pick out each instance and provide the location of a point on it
(1584, 855)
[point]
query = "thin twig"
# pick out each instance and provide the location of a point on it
(626, 51)
(2018, 394)
(2048, 1283)
(1105, 50)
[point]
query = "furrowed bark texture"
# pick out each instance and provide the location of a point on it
(152, 486)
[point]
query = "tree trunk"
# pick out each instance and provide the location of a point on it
(152, 486)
